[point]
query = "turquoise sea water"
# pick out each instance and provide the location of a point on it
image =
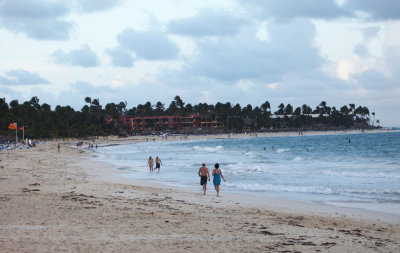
(364, 171)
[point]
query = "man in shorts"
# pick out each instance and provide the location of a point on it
(158, 163)
(204, 174)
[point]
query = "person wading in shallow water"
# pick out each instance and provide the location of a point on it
(158, 163)
(204, 174)
(151, 164)
(217, 174)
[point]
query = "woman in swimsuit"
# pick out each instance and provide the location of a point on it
(151, 163)
(217, 174)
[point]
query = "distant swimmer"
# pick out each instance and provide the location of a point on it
(217, 175)
(272, 148)
(150, 163)
(307, 150)
(265, 148)
(349, 141)
(204, 174)
(158, 163)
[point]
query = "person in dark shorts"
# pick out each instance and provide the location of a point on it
(204, 174)
(158, 163)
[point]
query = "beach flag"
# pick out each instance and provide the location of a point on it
(20, 128)
(12, 126)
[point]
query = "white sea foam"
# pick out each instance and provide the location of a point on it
(355, 174)
(281, 188)
(209, 149)
(281, 150)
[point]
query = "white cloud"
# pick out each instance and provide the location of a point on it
(244, 85)
(118, 82)
(348, 66)
(272, 86)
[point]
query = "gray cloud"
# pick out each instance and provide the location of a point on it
(391, 56)
(37, 19)
(120, 57)
(372, 79)
(39, 9)
(289, 50)
(361, 50)
(370, 32)
(83, 57)
(151, 45)
(285, 10)
(97, 5)
(207, 23)
(22, 77)
(377, 10)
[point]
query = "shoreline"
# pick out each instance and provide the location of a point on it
(53, 202)
(108, 172)
(369, 211)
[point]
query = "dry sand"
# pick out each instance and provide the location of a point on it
(53, 202)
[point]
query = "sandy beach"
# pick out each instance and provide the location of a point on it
(53, 202)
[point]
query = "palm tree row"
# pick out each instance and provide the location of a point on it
(93, 120)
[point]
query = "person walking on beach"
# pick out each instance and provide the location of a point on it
(151, 164)
(204, 174)
(158, 163)
(58, 148)
(217, 175)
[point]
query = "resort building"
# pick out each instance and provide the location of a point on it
(162, 123)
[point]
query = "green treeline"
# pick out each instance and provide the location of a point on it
(93, 119)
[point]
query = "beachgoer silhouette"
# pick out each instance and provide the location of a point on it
(158, 163)
(217, 175)
(151, 164)
(204, 174)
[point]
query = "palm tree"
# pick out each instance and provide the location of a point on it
(288, 109)
(373, 121)
(281, 109)
(180, 104)
(266, 107)
(96, 102)
(88, 100)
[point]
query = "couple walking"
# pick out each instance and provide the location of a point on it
(205, 175)
(151, 163)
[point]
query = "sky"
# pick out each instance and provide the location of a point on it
(239, 51)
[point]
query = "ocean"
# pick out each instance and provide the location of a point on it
(353, 170)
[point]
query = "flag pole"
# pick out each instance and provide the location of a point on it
(16, 133)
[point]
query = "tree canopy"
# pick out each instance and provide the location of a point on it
(93, 119)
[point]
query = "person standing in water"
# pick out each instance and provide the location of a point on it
(204, 174)
(217, 174)
(150, 163)
(158, 163)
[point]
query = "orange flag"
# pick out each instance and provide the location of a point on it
(12, 126)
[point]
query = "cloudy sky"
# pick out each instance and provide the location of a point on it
(238, 51)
